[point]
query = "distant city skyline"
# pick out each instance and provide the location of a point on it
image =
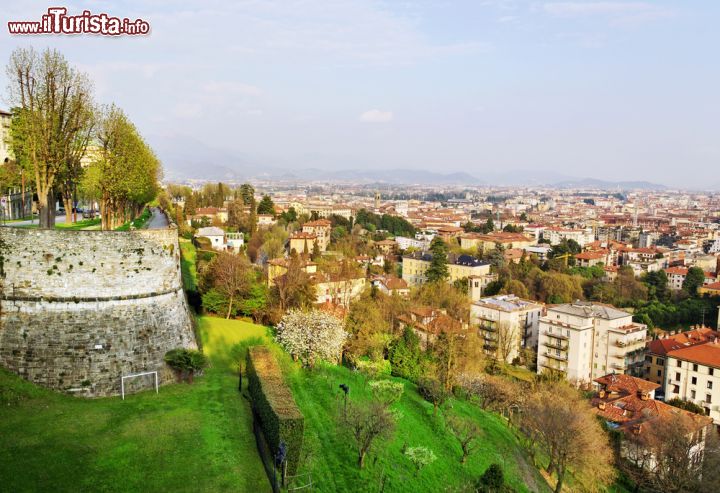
(613, 90)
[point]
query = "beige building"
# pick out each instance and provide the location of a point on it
(487, 242)
(415, 266)
(279, 266)
(303, 242)
(693, 374)
(337, 290)
(507, 324)
(586, 340)
(321, 230)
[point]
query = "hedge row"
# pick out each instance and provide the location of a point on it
(274, 405)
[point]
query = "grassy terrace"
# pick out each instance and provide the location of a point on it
(187, 438)
(333, 459)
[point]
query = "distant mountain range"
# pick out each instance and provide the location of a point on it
(180, 161)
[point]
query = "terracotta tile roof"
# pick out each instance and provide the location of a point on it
(626, 383)
(707, 354)
(683, 339)
(320, 223)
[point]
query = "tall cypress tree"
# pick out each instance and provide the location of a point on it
(438, 270)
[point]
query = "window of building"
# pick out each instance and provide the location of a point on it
(659, 373)
(676, 389)
(693, 380)
(709, 385)
(679, 364)
(708, 399)
(677, 376)
(695, 367)
(660, 361)
(692, 394)
(711, 371)
(648, 359)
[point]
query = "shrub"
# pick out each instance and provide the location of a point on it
(492, 480)
(274, 406)
(386, 392)
(420, 457)
(374, 369)
(186, 362)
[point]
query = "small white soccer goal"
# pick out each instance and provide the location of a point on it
(134, 375)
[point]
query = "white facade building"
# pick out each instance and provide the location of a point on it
(507, 323)
(585, 341)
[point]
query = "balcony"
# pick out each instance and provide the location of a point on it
(488, 328)
(561, 357)
(554, 367)
(556, 345)
(556, 335)
(618, 366)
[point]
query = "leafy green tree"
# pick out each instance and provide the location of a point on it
(266, 206)
(55, 107)
(438, 270)
(489, 226)
(405, 356)
(657, 283)
(694, 279)
(247, 193)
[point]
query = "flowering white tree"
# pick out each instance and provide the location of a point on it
(313, 335)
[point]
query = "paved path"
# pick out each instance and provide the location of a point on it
(58, 219)
(158, 220)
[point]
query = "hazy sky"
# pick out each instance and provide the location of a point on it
(608, 89)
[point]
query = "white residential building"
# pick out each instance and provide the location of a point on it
(556, 235)
(507, 323)
(586, 340)
(214, 234)
(693, 374)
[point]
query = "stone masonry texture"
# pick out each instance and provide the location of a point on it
(79, 309)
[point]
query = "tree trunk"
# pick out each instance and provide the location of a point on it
(361, 459)
(46, 206)
(229, 308)
(68, 203)
(559, 485)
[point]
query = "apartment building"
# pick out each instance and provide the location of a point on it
(656, 351)
(676, 277)
(415, 266)
(507, 324)
(556, 235)
(693, 374)
(585, 340)
(488, 242)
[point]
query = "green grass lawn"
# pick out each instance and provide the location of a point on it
(187, 438)
(187, 263)
(76, 226)
(333, 459)
(137, 223)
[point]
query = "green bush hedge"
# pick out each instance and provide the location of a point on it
(274, 405)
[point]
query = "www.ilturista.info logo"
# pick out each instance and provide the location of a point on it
(56, 21)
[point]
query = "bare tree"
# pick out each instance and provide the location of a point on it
(666, 454)
(368, 423)
(294, 288)
(231, 275)
(570, 435)
(466, 432)
(508, 341)
(56, 105)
